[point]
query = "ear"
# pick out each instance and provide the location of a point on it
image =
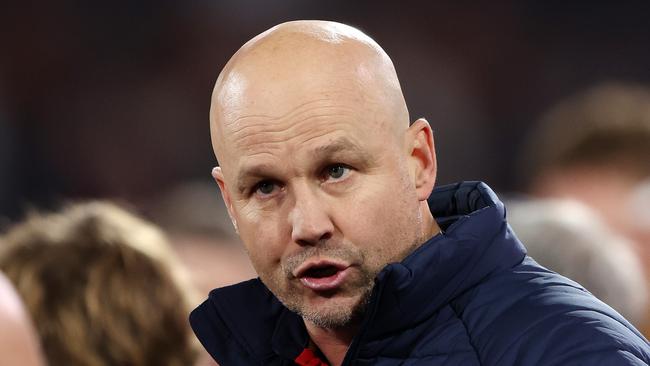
(217, 174)
(423, 157)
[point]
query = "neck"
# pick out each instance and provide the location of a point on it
(430, 226)
(332, 343)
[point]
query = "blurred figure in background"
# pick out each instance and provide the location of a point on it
(569, 238)
(196, 219)
(197, 222)
(102, 287)
(18, 341)
(595, 147)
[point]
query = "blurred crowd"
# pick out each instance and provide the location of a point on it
(111, 281)
(99, 285)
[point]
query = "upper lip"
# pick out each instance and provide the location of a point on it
(314, 263)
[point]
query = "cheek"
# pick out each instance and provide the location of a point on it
(375, 206)
(381, 219)
(263, 238)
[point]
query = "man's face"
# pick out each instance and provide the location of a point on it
(322, 197)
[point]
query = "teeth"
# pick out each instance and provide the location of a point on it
(319, 272)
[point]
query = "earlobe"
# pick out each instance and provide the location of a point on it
(217, 174)
(424, 156)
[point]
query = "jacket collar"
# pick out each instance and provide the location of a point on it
(475, 242)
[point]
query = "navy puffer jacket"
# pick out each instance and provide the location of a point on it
(468, 296)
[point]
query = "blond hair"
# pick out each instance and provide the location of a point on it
(102, 287)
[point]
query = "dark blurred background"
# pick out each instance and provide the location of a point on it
(111, 99)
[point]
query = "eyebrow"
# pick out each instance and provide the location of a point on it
(324, 152)
(252, 171)
(341, 144)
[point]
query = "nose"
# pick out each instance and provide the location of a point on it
(310, 220)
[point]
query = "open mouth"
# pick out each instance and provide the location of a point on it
(323, 275)
(320, 271)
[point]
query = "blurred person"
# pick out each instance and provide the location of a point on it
(18, 341)
(594, 147)
(569, 238)
(198, 226)
(102, 286)
(331, 189)
(197, 223)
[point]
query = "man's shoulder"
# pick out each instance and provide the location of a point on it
(529, 315)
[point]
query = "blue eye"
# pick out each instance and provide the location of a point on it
(265, 187)
(336, 171)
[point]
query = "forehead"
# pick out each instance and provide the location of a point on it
(293, 117)
(311, 128)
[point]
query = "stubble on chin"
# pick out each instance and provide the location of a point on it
(340, 308)
(333, 314)
(334, 309)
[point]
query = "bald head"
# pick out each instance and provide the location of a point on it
(302, 62)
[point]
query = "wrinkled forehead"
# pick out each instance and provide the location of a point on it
(250, 110)
(300, 116)
(282, 96)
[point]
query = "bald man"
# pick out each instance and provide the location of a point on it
(330, 186)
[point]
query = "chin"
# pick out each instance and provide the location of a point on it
(334, 312)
